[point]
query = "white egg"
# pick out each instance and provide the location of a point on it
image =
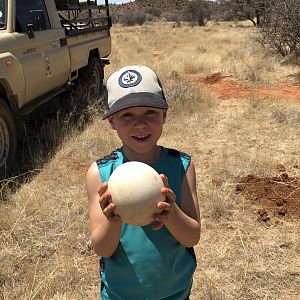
(135, 188)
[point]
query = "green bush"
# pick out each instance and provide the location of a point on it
(198, 12)
(130, 18)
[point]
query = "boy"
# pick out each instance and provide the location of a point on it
(156, 261)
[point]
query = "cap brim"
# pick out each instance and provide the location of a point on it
(137, 99)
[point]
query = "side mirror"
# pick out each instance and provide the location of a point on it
(30, 31)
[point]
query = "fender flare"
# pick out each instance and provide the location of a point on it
(12, 102)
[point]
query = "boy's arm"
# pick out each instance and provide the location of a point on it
(105, 228)
(184, 222)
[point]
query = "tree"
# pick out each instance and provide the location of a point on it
(198, 11)
(280, 28)
(221, 11)
(253, 10)
(133, 17)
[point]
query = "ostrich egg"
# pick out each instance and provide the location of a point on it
(135, 190)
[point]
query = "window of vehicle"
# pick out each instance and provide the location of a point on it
(32, 12)
(3, 14)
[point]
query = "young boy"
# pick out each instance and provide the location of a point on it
(156, 261)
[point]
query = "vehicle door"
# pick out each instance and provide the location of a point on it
(42, 49)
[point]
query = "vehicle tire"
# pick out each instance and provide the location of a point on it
(93, 77)
(8, 140)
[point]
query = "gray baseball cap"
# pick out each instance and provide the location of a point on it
(133, 86)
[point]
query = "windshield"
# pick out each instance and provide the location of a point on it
(2, 14)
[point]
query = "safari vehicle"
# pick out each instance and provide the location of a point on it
(46, 46)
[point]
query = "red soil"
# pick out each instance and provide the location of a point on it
(226, 88)
(277, 196)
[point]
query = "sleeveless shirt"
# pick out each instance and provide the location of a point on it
(148, 264)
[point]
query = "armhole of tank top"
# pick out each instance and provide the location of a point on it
(191, 252)
(105, 163)
(186, 161)
(99, 169)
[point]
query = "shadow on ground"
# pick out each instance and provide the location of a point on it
(45, 131)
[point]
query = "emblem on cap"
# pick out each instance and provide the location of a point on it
(130, 78)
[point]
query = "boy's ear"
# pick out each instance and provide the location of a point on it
(111, 122)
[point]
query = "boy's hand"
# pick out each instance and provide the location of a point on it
(105, 203)
(166, 206)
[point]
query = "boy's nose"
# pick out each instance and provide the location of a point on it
(141, 121)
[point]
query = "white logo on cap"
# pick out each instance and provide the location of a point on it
(130, 78)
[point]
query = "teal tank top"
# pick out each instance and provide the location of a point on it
(147, 264)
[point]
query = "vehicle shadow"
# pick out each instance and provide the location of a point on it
(45, 131)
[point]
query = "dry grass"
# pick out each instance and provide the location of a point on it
(45, 249)
(203, 50)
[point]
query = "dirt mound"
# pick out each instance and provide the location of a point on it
(278, 196)
(227, 88)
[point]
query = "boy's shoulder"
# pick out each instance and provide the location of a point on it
(108, 159)
(177, 153)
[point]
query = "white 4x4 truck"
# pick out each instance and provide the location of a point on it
(46, 46)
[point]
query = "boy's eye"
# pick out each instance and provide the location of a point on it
(127, 115)
(150, 112)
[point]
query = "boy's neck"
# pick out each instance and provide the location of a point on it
(148, 158)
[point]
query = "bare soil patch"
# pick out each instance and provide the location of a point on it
(277, 196)
(227, 88)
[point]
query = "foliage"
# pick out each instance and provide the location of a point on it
(222, 12)
(153, 11)
(136, 16)
(253, 10)
(131, 18)
(278, 22)
(198, 12)
(172, 16)
(280, 27)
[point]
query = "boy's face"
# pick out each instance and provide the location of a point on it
(139, 128)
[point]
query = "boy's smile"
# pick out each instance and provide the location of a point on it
(139, 128)
(142, 137)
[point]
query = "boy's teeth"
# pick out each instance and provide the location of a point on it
(141, 136)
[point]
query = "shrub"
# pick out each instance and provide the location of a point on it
(280, 28)
(153, 11)
(130, 18)
(198, 12)
(252, 10)
(172, 16)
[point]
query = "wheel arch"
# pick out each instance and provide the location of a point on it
(12, 102)
(94, 53)
(4, 94)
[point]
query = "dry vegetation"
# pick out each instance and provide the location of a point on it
(45, 251)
